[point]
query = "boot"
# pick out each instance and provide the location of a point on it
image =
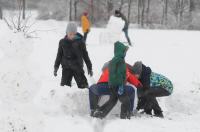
(158, 114)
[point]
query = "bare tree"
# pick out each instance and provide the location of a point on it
(165, 12)
(23, 8)
(1, 12)
(148, 11)
(129, 9)
(121, 5)
(70, 10)
(75, 9)
(143, 11)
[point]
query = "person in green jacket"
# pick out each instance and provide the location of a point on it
(154, 85)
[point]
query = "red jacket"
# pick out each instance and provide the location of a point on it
(130, 77)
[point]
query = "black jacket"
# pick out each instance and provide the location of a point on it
(123, 17)
(145, 76)
(71, 54)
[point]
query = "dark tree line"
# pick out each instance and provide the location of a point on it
(181, 14)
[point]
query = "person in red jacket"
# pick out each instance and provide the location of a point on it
(102, 88)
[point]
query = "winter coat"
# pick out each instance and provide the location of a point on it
(85, 24)
(158, 80)
(130, 77)
(71, 54)
(145, 76)
(117, 66)
(150, 79)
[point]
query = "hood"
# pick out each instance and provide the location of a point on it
(120, 49)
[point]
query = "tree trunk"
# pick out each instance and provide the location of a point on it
(148, 10)
(70, 10)
(121, 5)
(129, 10)
(109, 8)
(138, 17)
(1, 13)
(23, 9)
(165, 13)
(143, 11)
(92, 11)
(75, 9)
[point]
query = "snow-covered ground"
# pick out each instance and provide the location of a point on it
(31, 99)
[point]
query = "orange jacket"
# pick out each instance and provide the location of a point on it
(85, 24)
(130, 77)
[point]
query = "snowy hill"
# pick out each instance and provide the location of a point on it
(31, 99)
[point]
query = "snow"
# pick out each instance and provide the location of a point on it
(31, 99)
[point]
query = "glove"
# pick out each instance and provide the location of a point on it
(90, 72)
(55, 71)
(120, 90)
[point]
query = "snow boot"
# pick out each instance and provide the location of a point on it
(158, 114)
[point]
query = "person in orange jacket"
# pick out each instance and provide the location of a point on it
(102, 88)
(113, 82)
(85, 23)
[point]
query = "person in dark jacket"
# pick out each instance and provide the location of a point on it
(154, 85)
(126, 25)
(71, 53)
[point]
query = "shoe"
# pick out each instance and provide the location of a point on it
(98, 114)
(158, 114)
(92, 113)
(148, 112)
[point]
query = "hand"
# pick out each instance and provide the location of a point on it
(55, 72)
(120, 90)
(90, 72)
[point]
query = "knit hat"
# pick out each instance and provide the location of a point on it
(85, 13)
(71, 28)
(137, 68)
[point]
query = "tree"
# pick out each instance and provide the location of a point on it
(70, 10)
(129, 9)
(23, 8)
(165, 12)
(1, 13)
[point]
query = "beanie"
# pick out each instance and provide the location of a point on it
(71, 28)
(137, 68)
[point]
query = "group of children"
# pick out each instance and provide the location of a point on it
(119, 80)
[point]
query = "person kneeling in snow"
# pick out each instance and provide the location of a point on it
(154, 85)
(71, 53)
(113, 82)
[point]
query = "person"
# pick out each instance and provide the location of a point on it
(154, 85)
(71, 53)
(85, 23)
(126, 25)
(113, 82)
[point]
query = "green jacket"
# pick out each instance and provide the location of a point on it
(117, 66)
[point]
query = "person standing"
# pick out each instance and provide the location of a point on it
(85, 23)
(71, 53)
(126, 25)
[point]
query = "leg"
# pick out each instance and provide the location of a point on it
(127, 37)
(107, 107)
(95, 91)
(152, 103)
(127, 100)
(80, 79)
(67, 75)
(131, 93)
(85, 36)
